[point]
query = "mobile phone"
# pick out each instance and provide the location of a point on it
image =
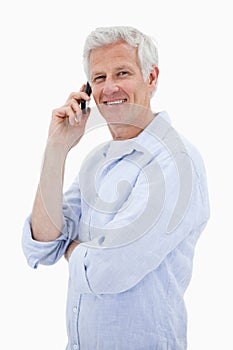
(88, 90)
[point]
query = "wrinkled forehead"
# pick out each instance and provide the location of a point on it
(119, 53)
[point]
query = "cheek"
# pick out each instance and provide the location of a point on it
(95, 94)
(140, 92)
(138, 84)
(131, 88)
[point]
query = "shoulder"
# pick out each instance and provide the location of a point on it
(195, 157)
(178, 144)
(95, 156)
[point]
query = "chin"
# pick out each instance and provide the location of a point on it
(122, 115)
(115, 114)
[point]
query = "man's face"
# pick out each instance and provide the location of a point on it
(117, 82)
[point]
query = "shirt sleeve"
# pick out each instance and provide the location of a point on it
(113, 269)
(48, 253)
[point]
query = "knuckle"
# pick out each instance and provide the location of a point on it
(73, 95)
(55, 111)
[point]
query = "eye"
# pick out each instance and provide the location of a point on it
(99, 78)
(123, 73)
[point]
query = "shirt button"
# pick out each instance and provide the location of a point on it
(75, 346)
(74, 311)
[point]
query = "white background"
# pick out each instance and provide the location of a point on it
(41, 63)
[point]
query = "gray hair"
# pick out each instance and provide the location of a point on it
(147, 49)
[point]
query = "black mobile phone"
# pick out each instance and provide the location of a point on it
(88, 90)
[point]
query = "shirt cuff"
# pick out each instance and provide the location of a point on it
(45, 253)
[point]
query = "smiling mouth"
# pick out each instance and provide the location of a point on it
(114, 103)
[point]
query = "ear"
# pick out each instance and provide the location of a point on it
(153, 77)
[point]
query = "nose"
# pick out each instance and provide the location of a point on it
(110, 87)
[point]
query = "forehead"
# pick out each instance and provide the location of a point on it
(112, 55)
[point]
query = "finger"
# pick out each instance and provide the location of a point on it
(83, 87)
(73, 119)
(62, 112)
(75, 106)
(66, 112)
(87, 113)
(80, 119)
(77, 96)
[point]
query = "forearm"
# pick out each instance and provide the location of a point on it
(66, 129)
(47, 219)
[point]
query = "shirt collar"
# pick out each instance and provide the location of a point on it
(146, 141)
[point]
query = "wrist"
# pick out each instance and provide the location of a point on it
(56, 149)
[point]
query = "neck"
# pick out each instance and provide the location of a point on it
(127, 131)
(124, 132)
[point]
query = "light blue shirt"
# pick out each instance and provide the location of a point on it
(138, 206)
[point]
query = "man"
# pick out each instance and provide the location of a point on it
(130, 221)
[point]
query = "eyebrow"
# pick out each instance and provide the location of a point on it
(122, 67)
(94, 74)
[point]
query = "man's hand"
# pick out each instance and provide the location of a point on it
(70, 249)
(68, 123)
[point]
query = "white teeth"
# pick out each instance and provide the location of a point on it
(115, 102)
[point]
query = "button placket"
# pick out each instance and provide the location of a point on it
(75, 309)
(74, 314)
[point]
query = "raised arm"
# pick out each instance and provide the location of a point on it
(66, 129)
